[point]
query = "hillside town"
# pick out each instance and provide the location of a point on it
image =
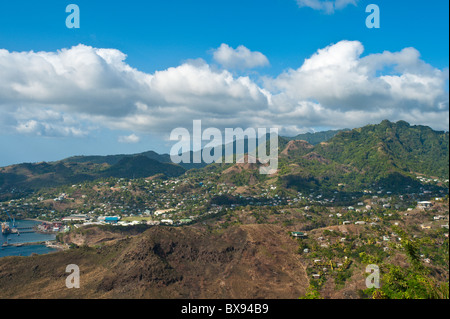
(185, 200)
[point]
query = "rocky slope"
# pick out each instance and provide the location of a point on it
(250, 261)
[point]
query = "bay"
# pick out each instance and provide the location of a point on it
(25, 238)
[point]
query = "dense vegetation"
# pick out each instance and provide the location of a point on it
(317, 137)
(388, 156)
(378, 150)
(413, 282)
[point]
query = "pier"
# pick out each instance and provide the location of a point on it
(26, 244)
(49, 243)
(23, 230)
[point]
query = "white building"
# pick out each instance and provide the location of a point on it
(424, 204)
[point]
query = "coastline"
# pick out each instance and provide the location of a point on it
(26, 244)
(37, 231)
(32, 240)
(48, 244)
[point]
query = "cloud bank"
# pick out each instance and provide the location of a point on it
(130, 139)
(327, 6)
(73, 91)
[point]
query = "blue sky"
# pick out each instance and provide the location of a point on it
(159, 34)
(169, 43)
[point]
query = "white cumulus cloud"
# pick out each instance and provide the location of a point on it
(327, 6)
(88, 84)
(339, 78)
(239, 58)
(74, 91)
(133, 138)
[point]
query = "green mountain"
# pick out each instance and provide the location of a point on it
(391, 147)
(389, 155)
(21, 178)
(114, 159)
(141, 166)
(316, 137)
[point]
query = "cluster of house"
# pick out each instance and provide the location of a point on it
(424, 204)
(52, 227)
(85, 220)
(59, 198)
(160, 196)
(431, 180)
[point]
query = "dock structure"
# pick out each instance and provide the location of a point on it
(23, 244)
(7, 230)
(23, 230)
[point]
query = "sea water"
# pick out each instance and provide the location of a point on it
(24, 238)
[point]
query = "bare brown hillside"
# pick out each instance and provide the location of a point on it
(250, 261)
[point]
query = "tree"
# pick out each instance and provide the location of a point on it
(411, 282)
(311, 293)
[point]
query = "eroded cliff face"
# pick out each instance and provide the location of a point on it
(249, 261)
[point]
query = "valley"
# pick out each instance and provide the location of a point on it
(141, 228)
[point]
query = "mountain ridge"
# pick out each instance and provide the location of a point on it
(373, 153)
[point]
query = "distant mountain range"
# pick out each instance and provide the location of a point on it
(316, 137)
(16, 179)
(115, 159)
(388, 153)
